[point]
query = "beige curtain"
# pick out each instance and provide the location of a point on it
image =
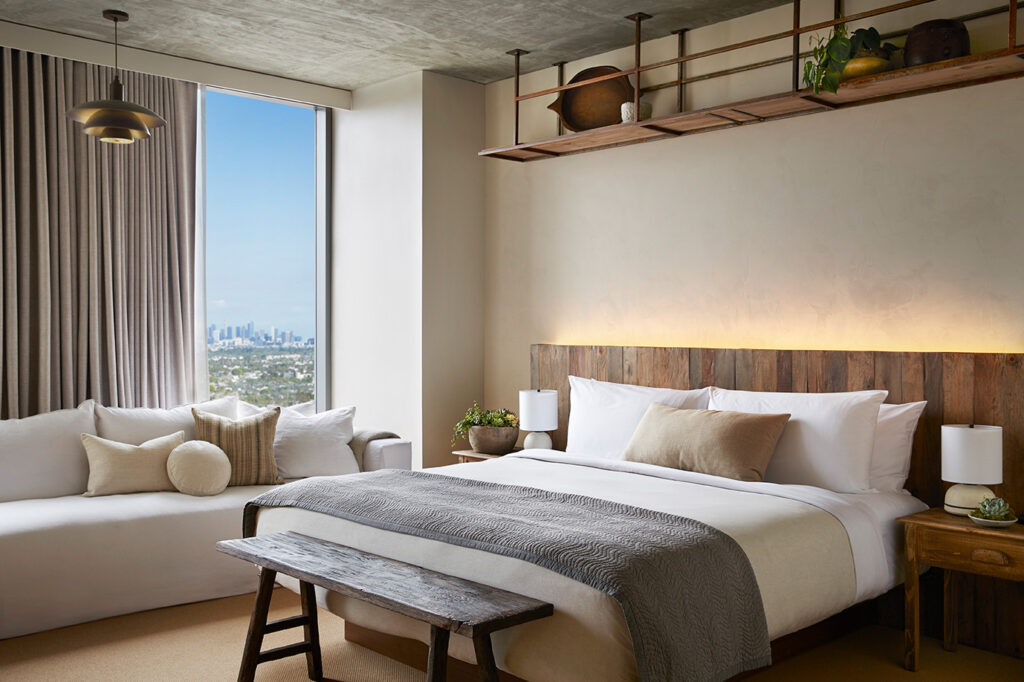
(97, 244)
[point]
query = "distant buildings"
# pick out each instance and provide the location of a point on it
(242, 336)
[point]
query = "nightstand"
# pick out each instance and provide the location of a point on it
(953, 543)
(473, 456)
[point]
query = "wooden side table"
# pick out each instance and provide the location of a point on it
(465, 456)
(953, 543)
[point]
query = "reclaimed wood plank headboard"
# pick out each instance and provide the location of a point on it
(984, 388)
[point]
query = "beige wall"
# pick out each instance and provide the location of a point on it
(377, 256)
(408, 258)
(890, 226)
(453, 245)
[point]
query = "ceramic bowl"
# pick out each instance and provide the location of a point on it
(989, 523)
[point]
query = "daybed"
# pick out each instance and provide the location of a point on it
(67, 559)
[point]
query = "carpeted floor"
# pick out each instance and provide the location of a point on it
(204, 641)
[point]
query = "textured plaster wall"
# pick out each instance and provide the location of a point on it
(890, 226)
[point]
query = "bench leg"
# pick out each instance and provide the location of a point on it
(257, 626)
(485, 658)
(437, 658)
(311, 630)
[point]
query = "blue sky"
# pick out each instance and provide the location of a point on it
(260, 213)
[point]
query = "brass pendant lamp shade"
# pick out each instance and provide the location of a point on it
(114, 120)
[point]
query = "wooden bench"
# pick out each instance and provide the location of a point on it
(448, 604)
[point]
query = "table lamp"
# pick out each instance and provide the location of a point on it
(972, 457)
(538, 413)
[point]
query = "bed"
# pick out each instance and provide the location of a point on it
(814, 552)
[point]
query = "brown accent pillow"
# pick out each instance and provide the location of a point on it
(730, 444)
(248, 442)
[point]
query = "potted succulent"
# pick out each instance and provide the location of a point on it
(491, 432)
(843, 56)
(994, 512)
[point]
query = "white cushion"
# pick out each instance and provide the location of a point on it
(829, 438)
(604, 415)
(894, 444)
(43, 456)
(73, 559)
(117, 468)
(304, 409)
(136, 425)
(199, 468)
(316, 445)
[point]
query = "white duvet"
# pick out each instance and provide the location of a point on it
(813, 552)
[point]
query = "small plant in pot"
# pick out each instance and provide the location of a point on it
(843, 56)
(491, 432)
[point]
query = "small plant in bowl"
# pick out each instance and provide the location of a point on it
(994, 512)
(842, 56)
(491, 432)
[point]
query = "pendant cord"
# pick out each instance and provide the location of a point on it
(115, 47)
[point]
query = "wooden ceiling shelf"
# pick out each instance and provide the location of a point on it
(917, 80)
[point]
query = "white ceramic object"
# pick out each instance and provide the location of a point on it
(991, 523)
(629, 111)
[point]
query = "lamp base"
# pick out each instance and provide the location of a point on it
(963, 498)
(537, 440)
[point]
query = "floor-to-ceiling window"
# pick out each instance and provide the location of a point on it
(260, 237)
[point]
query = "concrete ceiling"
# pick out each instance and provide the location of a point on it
(351, 44)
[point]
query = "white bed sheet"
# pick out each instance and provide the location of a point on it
(814, 553)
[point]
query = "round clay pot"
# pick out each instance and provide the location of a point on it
(864, 66)
(493, 440)
(936, 40)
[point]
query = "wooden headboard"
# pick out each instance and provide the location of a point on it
(984, 388)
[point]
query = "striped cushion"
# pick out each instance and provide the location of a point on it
(248, 443)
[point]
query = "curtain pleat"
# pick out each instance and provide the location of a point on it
(97, 244)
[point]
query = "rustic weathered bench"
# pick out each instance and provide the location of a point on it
(448, 604)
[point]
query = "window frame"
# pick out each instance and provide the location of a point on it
(323, 192)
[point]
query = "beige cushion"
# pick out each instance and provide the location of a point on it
(116, 468)
(730, 444)
(199, 468)
(248, 443)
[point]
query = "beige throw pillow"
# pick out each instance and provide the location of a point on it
(248, 443)
(730, 444)
(197, 467)
(116, 468)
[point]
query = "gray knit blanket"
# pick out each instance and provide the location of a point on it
(687, 591)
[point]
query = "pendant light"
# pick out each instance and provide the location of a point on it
(114, 120)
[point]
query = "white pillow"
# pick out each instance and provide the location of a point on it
(199, 467)
(828, 440)
(137, 425)
(894, 444)
(316, 445)
(118, 468)
(43, 456)
(604, 415)
(245, 409)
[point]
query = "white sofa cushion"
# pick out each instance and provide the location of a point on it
(43, 456)
(246, 409)
(315, 446)
(116, 468)
(69, 560)
(136, 425)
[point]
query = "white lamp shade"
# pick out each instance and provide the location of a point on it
(972, 454)
(538, 410)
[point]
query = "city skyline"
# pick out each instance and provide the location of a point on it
(264, 335)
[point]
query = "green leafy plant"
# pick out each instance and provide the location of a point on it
(995, 509)
(829, 56)
(477, 416)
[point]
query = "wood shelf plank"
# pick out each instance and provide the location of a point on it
(916, 80)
